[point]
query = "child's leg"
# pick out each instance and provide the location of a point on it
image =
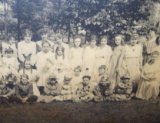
(41, 89)
(32, 99)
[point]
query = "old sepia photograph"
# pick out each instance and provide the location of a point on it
(79, 61)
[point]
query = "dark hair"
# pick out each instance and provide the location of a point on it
(58, 48)
(24, 75)
(89, 77)
(158, 40)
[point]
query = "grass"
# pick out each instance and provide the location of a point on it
(135, 111)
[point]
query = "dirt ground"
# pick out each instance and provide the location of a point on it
(135, 111)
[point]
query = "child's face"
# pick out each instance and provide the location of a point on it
(103, 41)
(125, 81)
(93, 43)
(59, 40)
(77, 42)
(51, 38)
(24, 80)
(66, 81)
(46, 47)
(9, 55)
(12, 40)
(101, 71)
(27, 65)
(28, 37)
(44, 36)
(59, 52)
(151, 33)
(118, 40)
(86, 80)
(77, 72)
(52, 81)
(134, 42)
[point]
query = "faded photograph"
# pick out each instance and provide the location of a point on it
(101, 54)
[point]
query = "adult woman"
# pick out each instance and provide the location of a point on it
(148, 87)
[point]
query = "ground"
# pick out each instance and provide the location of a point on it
(134, 111)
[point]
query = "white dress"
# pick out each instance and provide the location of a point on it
(103, 56)
(149, 88)
(132, 62)
(26, 49)
(44, 63)
(89, 57)
(75, 57)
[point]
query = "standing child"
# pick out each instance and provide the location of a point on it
(75, 53)
(44, 62)
(115, 58)
(89, 55)
(103, 54)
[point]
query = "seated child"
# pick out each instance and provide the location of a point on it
(24, 91)
(66, 92)
(103, 90)
(51, 90)
(5, 92)
(84, 92)
(123, 89)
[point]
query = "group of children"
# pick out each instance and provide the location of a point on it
(51, 70)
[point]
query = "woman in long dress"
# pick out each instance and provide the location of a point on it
(89, 55)
(148, 87)
(75, 53)
(103, 54)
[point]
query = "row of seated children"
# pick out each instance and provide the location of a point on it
(22, 91)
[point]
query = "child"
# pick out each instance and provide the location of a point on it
(26, 48)
(66, 92)
(89, 55)
(84, 92)
(10, 62)
(103, 54)
(75, 53)
(123, 89)
(77, 76)
(44, 62)
(115, 58)
(61, 64)
(44, 37)
(24, 91)
(51, 91)
(5, 92)
(103, 90)
(12, 43)
(59, 42)
(33, 76)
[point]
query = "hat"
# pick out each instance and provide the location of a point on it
(51, 76)
(125, 77)
(68, 77)
(102, 67)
